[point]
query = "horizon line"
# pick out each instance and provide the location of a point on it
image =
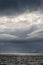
(21, 53)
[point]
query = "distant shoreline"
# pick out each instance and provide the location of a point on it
(21, 53)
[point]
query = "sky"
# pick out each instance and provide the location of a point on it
(21, 26)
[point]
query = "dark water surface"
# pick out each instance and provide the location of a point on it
(22, 47)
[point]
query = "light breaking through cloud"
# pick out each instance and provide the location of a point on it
(22, 24)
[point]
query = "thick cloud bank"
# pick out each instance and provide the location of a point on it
(21, 25)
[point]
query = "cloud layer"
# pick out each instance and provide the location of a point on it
(23, 26)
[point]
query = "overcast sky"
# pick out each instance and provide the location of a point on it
(21, 26)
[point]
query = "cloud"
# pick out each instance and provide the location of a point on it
(17, 4)
(36, 35)
(7, 37)
(14, 7)
(23, 26)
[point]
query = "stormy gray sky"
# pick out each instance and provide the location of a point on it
(21, 26)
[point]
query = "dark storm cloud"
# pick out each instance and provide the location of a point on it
(12, 6)
(4, 4)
